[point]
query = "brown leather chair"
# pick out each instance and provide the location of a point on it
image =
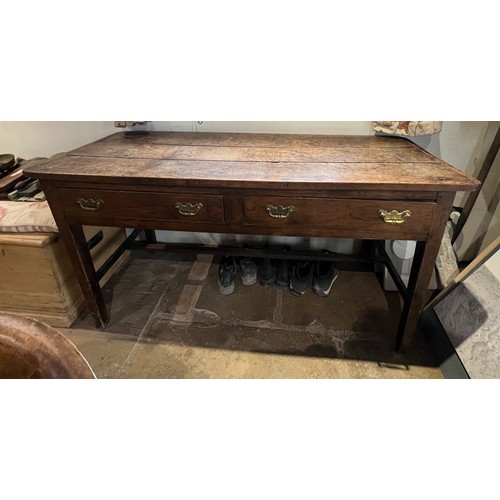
(31, 349)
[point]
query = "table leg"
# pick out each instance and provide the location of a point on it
(76, 245)
(407, 324)
(150, 235)
(424, 261)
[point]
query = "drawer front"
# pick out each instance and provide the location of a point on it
(176, 207)
(339, 217)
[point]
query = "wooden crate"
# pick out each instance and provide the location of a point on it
(37, 278)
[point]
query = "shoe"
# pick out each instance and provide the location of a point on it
(283, 274)
(248, 271)
(325, 274)
(227, 274)
(27, 191)
(266, 272)
(283, 268)
(22, 184)
(301, 276)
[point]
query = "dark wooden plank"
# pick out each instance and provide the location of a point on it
(223, 153)
(481, 177)
(261, 140)
(321, 193)
(108, 264)
(246, 251)
(369, 176)
(305, 161)
(365, 232)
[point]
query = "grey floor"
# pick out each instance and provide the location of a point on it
(168, 320)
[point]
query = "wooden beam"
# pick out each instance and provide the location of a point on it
(483, 173)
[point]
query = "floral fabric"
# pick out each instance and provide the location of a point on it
(128, 124)
(412, 129)
(29, 217)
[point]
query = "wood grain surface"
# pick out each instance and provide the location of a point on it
(258, 161)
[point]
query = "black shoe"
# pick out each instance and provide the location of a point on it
(248, 271)
(325, 273)
(266, 272)
(283, 269)
(283, 273)
(227, 274)
(301, 276)
(28, 190)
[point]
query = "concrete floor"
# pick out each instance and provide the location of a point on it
(168, 320)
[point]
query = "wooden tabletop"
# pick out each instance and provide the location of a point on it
(257, 161)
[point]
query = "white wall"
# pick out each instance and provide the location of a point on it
(30, 139)
(348, 128)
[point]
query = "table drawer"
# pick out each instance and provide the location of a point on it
(326, 216)
(107, 204)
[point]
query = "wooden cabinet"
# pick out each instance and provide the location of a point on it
(37, 278)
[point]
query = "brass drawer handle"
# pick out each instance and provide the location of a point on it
(394, 217)
(188, 208)
(90, 204)
(279, 211)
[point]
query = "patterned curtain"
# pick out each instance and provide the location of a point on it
(128, 124)
(408, 128)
